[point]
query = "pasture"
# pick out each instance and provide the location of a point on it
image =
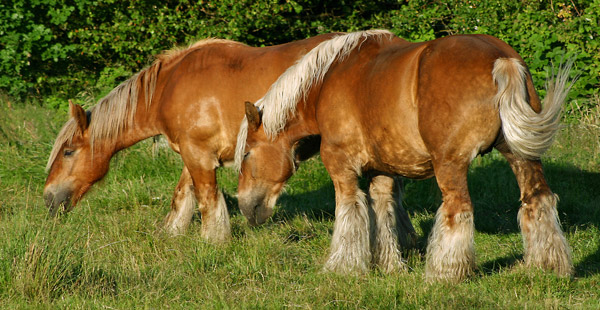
(109, 252)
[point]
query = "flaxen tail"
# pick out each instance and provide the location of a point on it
(528, 133)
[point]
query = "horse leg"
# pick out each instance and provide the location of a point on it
(215, 218)
(450, 253)
(387, 224)
(545, 244)
(182, 205)
(350, 251)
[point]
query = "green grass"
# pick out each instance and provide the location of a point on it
(109, 253)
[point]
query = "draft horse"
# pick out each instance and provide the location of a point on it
(192, 96)
(389, 107)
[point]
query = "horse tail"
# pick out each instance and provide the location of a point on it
(527, 132)
(279, 103)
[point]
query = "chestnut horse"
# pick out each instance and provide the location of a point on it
(386, 107)
(194, 97)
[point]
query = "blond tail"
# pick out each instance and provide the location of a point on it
(528, 133)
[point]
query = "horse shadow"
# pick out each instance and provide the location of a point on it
(495, 195)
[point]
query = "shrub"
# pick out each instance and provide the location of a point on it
(56, 49)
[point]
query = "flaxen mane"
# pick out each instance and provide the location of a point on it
(279, 103)
(115, 111)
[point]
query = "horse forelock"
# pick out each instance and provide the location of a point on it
(241, 145)
(280, 102)
(65, 135)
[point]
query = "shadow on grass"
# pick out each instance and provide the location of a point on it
(500, 263)
(317, 205)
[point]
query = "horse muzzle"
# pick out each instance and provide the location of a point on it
(255, 208)
(56, 201)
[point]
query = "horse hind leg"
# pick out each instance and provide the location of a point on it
(451, 251)
(182, 206)
(544, 242)
(391, 226)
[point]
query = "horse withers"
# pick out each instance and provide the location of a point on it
(194, 97)
(387, 107)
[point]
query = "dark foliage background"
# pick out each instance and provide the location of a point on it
(51, 50)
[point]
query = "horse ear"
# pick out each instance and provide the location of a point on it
(78, 113)
(252, 115)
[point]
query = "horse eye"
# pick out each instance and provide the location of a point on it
(246, 154)
(68, 153)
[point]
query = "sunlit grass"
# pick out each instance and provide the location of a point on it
(110, 253)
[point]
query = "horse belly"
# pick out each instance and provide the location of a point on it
(400, 158)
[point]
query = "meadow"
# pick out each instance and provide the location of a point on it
(109, 252)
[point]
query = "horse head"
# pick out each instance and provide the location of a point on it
(75, 164)
(265, 164)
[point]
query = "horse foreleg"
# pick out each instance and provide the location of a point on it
(350, 250)
(182, 205)
(215, 218)
(390, 228)
(450, 253)
(545, 244)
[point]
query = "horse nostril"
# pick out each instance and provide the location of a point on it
(48, 199)
(249, 212)
(57, 201)
(251, 215)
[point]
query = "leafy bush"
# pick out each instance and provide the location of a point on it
(544, 33)
(57, 49)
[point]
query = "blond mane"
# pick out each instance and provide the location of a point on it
(279, 103)
(114, 113)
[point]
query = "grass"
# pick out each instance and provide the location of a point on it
(109, 253)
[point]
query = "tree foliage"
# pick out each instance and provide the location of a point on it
(57, 49)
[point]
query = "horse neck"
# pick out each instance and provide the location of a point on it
(142, 126)
(304, 123)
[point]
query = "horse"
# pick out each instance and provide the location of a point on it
(384, 106)
(194, 97)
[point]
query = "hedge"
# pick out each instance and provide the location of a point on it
(58, 49)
